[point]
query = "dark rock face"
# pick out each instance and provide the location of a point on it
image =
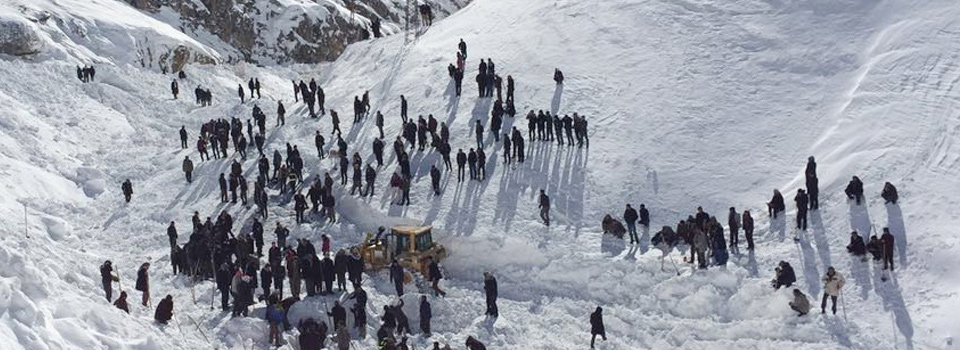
(265, 31)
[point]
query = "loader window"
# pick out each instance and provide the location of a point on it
(403, 243)
(424, 241)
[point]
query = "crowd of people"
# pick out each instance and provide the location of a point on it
(232, 255)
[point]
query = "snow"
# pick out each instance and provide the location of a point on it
(690, 104)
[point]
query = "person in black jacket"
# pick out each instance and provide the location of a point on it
(856, 246)
(127, 188)
(435, 277)
(887, 242)
(889, 194)
(776, 204)
(544, 206)
(340, 269)
(490, 287)
(802, 201)
(425, 315)
(854, 189)
(327, 269)
(107, 278)
(224, 278)
(339, 315)
(785, 276)
(461, 162)
(396, 275)
(164, 310)
(183, 137)
(813, 184)
(143, 282)
(630, 217)
(596, 326)
(359, 310)
(644, 217)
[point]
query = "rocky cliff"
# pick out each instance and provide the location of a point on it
(287, 31)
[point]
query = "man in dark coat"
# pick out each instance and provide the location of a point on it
(785, 276)
(630, 217)
(435, 277)
(461, 162)
(733, 221)
(327, 270)
(426, 313)
(396, 275)
(802, 201)
(490, 288)
(107, 278)
(747, 223)
(889, 193)
(339, 315)
(143, 282)
(164, 310)
(776, 205)
(544, 206)
(435, 179)
(856, 246)
(596, 326)
(224, 277)
(887, 240)
(127, 188)
(854, 189)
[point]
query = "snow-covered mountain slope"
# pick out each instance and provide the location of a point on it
(690, 104)
(99, 31)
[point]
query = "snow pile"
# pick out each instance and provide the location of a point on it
(690, 104)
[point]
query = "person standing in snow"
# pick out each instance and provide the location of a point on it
(172, 235)
(596, 326)
(240, 92)
(282, 233)
(832, 284)
(544, 205)
(558, 76)
(887, 242)
(280, 113)
(630, 217)
(107, 278)
(426, 313)
(733, 221)
(164, 310)
(800, 303)
(813, 184)
(188, 169)
(127, 189)
(776, 205)
(143, 283)
(644, 219)
(435, 277)
(802, 201)
(490, 288)
(175, 89)
(747, 223)
(396, 275)
(339, 315)
(183, 137)
(223, 279)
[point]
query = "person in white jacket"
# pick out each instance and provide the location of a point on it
(832, 283)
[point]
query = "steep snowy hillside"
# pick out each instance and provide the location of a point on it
(711, 104)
